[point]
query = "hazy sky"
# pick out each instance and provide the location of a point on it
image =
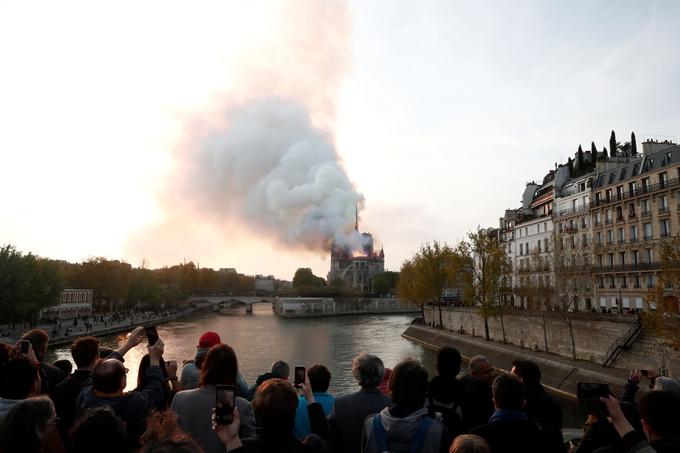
(440, 112)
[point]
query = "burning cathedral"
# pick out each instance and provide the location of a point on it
(356, 265)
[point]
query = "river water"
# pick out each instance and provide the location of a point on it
(261, 338)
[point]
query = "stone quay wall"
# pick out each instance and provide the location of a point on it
(306, 307)
(594, 333)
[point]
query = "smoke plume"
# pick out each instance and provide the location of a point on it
(264, 156)
(264, 163)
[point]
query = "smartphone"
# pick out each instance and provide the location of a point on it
(588, 394)
(151, 334)
(644, 373)
(225, 401)
(25, 344)
(300, 372)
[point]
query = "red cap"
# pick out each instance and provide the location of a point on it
(208, 340)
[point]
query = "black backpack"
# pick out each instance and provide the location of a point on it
(447, 413)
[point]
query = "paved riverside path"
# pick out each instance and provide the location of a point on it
(559, 374)
(68, 332)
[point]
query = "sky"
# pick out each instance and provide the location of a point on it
(433, 115)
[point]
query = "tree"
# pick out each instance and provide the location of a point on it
(604, 155)
(573, 278)
(633, 144)
(570, 165)
(613, 144)
(305, 277)
(384, 283)
(488, 264)
(423, 278)
(593, 150)
(662, 318)
(579, 159)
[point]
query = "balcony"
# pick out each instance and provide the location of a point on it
(650, 188)
(570, 229)
(647, 213)
(647, 237)
(634, 239)
(621, 241)
(665, 234)
(608, 221)
(663, 210)
(654, 265)
(631, 215)
(619, 218)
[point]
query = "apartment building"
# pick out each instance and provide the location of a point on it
(573, 242)
(635, 206)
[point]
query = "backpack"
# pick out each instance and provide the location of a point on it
(449, 414)
(382, 438)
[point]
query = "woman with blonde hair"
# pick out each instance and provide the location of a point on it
(469, 443)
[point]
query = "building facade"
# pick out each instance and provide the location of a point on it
(73, 303)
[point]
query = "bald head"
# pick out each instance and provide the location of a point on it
(108, 376)
(480, 369)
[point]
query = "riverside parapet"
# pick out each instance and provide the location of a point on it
(307, 307)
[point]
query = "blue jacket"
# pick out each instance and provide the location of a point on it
(302, 427)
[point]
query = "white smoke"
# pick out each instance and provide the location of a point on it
(264, 163)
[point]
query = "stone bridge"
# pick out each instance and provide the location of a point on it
(225, 301)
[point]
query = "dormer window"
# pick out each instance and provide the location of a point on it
(611, 178)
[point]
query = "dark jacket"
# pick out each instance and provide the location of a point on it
(401, 428)
(447, 395)
(348, 415)
(477, 403)
(317, 442)
(542, 408)
(517, 433)
(50, 377)
(65, 396)
(132, 407)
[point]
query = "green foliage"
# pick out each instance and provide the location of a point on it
(613, 144)
(424, 277)
(385, 283)
(27, 284)
(305, 277)
(633, 144)
(664, 320)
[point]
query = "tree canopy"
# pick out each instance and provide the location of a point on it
(305, 277)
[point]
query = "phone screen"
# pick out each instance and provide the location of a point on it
(299, 375)
(151, 334)
(589, 398)
(225, 400)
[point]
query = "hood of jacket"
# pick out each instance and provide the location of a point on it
(401, 429)
(6, 405)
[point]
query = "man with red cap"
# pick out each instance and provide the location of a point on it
(191, 369)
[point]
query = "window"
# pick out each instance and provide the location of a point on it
(608, 216)
(610, 237)
(608, 194)
(612, 176)
(619, 192)
(663, 180)
(598, 196)
(645, 206)
(645, 184)
(633, 233)
(622, 258)
(647, 231)
(663, 203)
(631, 210)
(599, 260)
(598, 238)
(650, 281)
(521, 249)
(610, 259)
(538, 244)
(619, 213)
(634, 257)
(598, 218)
(649, 255)
(631, 188)
(584, 240)
(665, 228)
(636, 167)
(622, 237)
(545, 226)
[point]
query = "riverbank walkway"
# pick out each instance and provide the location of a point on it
(67, 330)
(559, 374)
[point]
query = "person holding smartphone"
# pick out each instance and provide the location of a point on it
(217, 383)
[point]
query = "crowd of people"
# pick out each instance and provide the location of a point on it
(48, 408)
